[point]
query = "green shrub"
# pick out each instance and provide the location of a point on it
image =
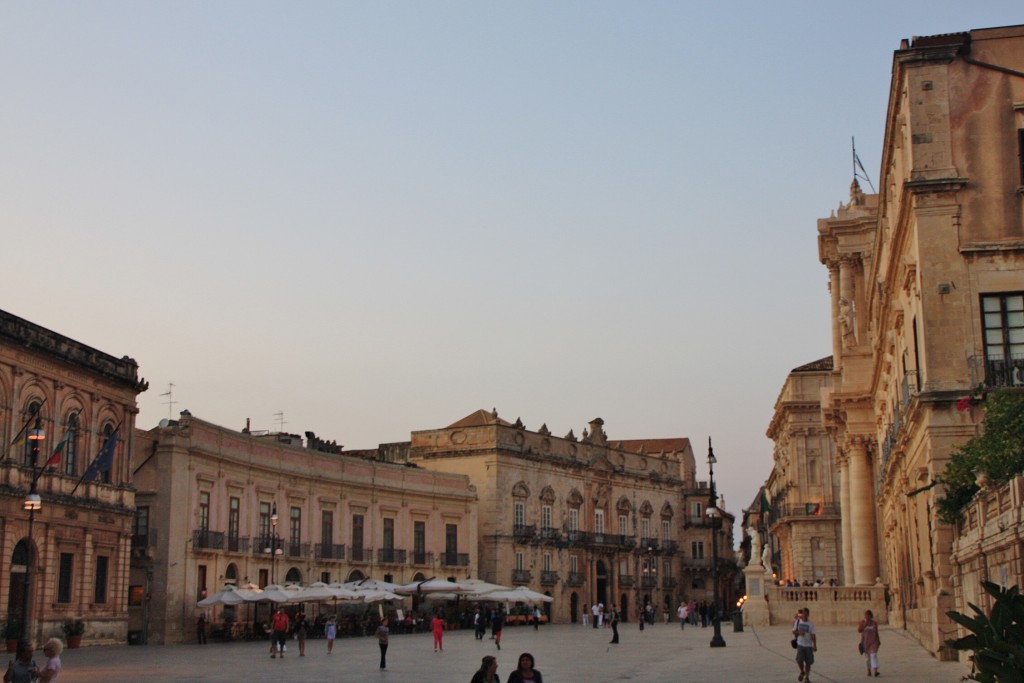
(996, 640)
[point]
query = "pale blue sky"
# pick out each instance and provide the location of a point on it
(378, 217)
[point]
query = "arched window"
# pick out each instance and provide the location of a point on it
(231, 574)
(68, 446)
(293, 576)
(108, 431)
(33, 409)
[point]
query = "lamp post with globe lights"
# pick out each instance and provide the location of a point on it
(715, 514)
(33, 502)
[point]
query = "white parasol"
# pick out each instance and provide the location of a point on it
(520, 594)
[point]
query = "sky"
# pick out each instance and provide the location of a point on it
(366, 219)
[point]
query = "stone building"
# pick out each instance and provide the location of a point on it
(217, 506)
(70, 560)
(804, 483)
(585, 519)
(927, 302)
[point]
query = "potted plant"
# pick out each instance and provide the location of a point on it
(73, 630)
(12, 632)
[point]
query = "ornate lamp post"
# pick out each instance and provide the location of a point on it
(715, 515)
(274, 548)
(32, 503)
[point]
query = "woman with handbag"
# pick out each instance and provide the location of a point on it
(869, 641)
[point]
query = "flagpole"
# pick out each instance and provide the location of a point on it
(82, 478)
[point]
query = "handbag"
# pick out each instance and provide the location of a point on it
(793, 643)
(860, 647)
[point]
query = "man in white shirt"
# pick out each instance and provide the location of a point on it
(682, 613)
(806, 643)
(594, 611)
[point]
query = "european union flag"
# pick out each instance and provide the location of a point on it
(104, 459)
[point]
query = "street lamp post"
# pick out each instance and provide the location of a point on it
(274, 550)
(32, 503)
(714, 514)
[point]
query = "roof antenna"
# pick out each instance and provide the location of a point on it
(279, 415)
(170, 402)
(858, 168)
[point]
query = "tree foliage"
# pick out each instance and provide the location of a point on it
(997, 639)
(998, 452)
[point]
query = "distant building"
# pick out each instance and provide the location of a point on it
(207, 498)
(927, 284)
(585, 519)
(77, 550)
(803, 488)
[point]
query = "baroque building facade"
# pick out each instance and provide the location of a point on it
(70, 559)
(927, 303)
(803, 487)
(219, 506)
(585, 520)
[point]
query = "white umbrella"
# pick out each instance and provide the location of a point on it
(429, 586)
(276, 593)
(477, 587)
(370, 584)
(321, 592)
(520, 594)
(228, 595)
(378, 596)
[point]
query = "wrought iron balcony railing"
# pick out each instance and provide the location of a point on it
(390, 556)
(454, 559)
(521, 576)
(626, 580)
(203, 539)
(574, 579)
(422, 557)
(548, 578)
(330, 551)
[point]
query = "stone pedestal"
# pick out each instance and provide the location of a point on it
(755, 609)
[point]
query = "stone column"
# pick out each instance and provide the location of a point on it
(862, 514)
(846, 518)
(833, 288)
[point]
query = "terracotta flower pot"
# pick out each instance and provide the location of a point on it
(74, 641)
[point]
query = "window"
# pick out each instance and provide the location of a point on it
(100, 592)
(327, 527)
(666, 530)
(696, 512)
(451, 538)
(204, 511)
(325, 577)
(67, 565)
(419, 542)
(520, 562)
(574, 519)
(357, 538)
(697, 550)
(295, 530)
(599, 521)
(201, 582)
(140, 526)
(265, 525)
(547, 562)
(623, 525)
(1004, 338)
(813, 471)
(645, 527)
(519, 514)
(389, 533)
(108, 432)
(70, 454)
(574, 564)
(545, 517)
(234, 510)
(135, 595)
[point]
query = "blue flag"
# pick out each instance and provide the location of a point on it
(104, 459)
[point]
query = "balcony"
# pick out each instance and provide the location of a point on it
(262, 545)
(203, 539)
(390, 556)
(298, 549)
(521, 576)
(669, 582)
(550, 535)
(576, 537)
(329, 551)
(626, 580)
(808, 510)
(998, 372)
(422, 558)
(548, 578)
(360, 555)
(696, 563)
(454, 559)
(237, 544)
(648, 581)
(574, 579)
(649, 545)
(669, 547)
(524, 533)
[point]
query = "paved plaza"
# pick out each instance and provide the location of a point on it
(564, 653)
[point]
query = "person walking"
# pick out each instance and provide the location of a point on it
(437, 627)
(593, 613)
(201, 629)
(613, 617)
(331, 632)
(279, 632)
(586, 615)
(536, 618)
(683, 615)
(51, 670)
(478, 625)
(300, 628)
(488, 671)
(869, 641)
(382, 641)
(525, 673)
(641, 617)
(806, 643)
(496, 626)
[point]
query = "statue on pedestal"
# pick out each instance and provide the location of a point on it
(766, 559)
(755, 544)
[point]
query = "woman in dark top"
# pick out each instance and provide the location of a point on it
(525, 673)
(488, 672)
